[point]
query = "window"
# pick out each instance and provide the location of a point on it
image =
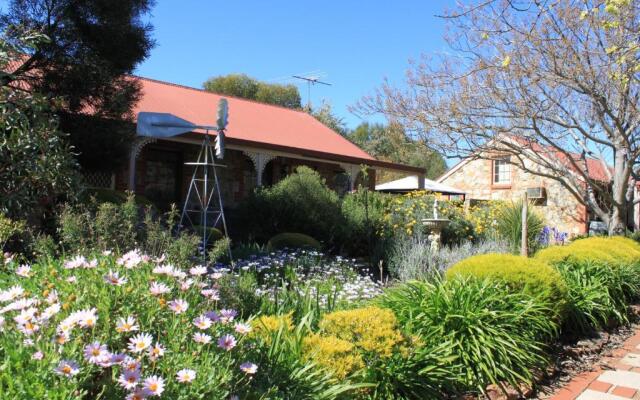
(501, 171)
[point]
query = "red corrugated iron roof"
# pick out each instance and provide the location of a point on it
(249, 121)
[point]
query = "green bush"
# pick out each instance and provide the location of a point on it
(292, 241)
(301, 202)
(509, 225)
(518, 273)
(123, 227)
(493, 334)
(364, 214)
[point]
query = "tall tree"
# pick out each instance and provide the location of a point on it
(92, 46)
(36, 165)
(241, 85)
(552, 84)
(391, 143)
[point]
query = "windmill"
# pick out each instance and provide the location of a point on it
(203, 206)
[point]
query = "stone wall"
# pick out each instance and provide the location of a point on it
(560, 209)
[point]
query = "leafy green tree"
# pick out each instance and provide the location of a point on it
(390, 143)
(36, 163)
(246, 87)
(326, 115)
(92, 47)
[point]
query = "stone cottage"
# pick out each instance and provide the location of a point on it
(494, 177)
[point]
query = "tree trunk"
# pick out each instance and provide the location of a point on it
(617, 223)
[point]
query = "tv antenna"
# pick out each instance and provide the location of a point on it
(311, 81)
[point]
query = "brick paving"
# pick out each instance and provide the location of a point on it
(620, 383)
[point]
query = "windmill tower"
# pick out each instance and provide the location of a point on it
(203, 208)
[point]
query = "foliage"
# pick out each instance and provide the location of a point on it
(290, 375)
(611, 250)
(595, 297)
(493, 333)
(405, 213)
(241, 85)
(413, 258)
(517, 273)
(36, 165)
(301, 202)
(364, 213)
(327, 117)
(92, 49)
(336, 355)
(104, 195)
(108, 226)
(374, 331)
(391, 143)
(509, 226)
(8, 228)
(293, 241)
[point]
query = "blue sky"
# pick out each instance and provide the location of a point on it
(355, 44)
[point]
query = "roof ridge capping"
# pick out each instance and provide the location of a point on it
(201, 90)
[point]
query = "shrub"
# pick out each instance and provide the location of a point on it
(288, 374)
(518, 273)
(372, 330)
(610, 250)
(364, 215)
(301, 202)
(509, 225)
(554, 255)
(8, 228)
(123, 227)
(412, 257)
(292, 241)
(492, 333)
(336, 355)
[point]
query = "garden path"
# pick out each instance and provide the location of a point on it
(619, 382)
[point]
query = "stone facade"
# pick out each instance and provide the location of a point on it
(559, 208)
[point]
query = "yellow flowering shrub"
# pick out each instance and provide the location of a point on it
(372, 330)
(531, 275)
(609, 250)
(336, 355)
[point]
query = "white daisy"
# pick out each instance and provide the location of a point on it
(186, 375)
(140, 342)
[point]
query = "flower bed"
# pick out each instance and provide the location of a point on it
(295, 324)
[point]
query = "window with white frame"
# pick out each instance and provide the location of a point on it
(501, 171)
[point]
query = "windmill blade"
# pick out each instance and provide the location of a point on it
(162, 125)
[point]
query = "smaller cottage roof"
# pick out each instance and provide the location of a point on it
(410, 183)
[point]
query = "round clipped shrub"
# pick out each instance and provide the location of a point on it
(293, 241)
(518, 273)
(213, 234)
(372, 330)
(608, 250)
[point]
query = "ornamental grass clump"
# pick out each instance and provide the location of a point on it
(492, 334)
(596, 296)
(517, 273)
